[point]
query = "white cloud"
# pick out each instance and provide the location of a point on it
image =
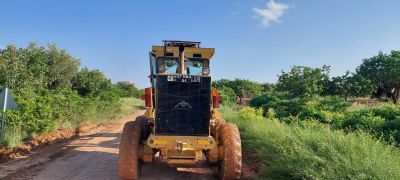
(271, 13)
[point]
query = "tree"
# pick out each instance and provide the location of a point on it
(37, 59)
(268, 87)
(37, 67)
(349, 85)
(13, 68)
(127, 89)
(62, 68)
(91, 82)
(219, 84)
(242, 88)
(228, 95)
(384, 71)
(302, 81)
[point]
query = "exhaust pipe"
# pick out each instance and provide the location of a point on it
(182, 69)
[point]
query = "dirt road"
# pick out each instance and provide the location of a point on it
(93, 155)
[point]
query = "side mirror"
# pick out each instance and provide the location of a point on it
(206, 71)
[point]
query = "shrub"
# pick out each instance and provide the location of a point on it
(34, 115)
(382, 120)
(281, 102)
(252, 114)
(324, 109)
(138, 93)
(228, 95)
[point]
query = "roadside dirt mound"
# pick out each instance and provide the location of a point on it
(60, 135)
(39, 141)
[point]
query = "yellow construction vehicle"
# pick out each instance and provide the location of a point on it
(181, 123)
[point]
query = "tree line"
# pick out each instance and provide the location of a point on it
(377, 77)
(40, 67)
(53, 91)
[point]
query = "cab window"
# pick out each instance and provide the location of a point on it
(167, 65)
(195, 66)
(170, 65)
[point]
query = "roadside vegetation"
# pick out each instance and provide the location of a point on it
(306, 93)
(312, 126)
(311, 150)
(54, 92)
(382, 120)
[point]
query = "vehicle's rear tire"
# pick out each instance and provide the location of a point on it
(129, 162)
(229, 167)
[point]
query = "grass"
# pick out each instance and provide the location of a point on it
(127, 106)
(13, 136)
(311, 150)
(131, 105)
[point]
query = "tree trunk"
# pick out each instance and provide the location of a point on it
(240, 100)
(395, 95)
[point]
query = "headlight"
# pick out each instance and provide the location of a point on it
(161, 69)
(206, 71)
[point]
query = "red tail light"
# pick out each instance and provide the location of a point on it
(147, 97)
(215, 98)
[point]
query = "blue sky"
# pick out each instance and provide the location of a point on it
(254, 39)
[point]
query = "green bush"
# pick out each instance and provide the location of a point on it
(324, 109)
(126, 89)
(228, 95)
(382, 120)
(251, 114)
(138, 93)
(34, 115)
(311, 150)
(283, 104)
(47, 110)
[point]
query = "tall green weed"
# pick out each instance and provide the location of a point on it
(311, 150)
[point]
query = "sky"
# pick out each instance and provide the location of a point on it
(254, 39)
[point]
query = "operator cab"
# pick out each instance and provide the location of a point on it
(180, 57)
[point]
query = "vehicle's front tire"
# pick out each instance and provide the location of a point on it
(129, 163)
(229, 167)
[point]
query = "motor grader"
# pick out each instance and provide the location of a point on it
(181, 123)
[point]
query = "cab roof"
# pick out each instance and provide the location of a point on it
(192, 49)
